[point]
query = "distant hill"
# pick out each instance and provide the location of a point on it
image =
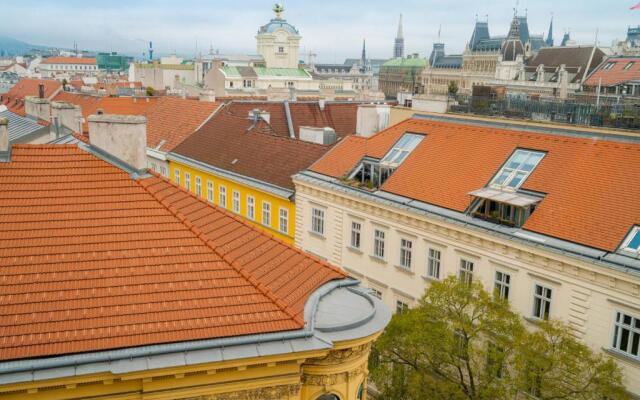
(13, 47)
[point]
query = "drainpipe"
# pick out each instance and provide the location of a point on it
(287, 112)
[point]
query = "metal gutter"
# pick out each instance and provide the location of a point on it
(154, 350)
(530, 238)
(254, 183)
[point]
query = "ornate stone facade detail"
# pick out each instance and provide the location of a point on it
(340, 356)
(333, 379)
(269, 393)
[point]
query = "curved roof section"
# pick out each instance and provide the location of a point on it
(93, 259)
(276, 24)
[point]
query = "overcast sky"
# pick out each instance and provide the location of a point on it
(333, 29)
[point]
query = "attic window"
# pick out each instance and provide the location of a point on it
(517, 169)
(608, 66)
(632, 242)
(401, 149)
(629, 65)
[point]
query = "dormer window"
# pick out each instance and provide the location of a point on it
(516, 170)
(632, 243)
(401, 149)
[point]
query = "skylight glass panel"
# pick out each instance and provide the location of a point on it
(517, 168)
(633, 241)
(402, 149)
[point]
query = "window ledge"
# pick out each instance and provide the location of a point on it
(404, 270)
(621, 356)
(317, 235)
(430, 278)
(378, 259)
(354, 250)
(533, 320)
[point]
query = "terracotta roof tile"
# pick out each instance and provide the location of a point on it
(624, 69)
(14, 98)
(69, 60)
(588, 195)
(93, 260)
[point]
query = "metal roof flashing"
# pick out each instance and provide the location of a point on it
(371, 316)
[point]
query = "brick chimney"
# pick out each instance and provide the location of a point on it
(41, 90)
(122, 136)
(5, 146)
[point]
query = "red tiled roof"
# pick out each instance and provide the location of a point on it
(174, 119)
(264, 152)
(69, 60)
(617, 74)
(589, 198)
(14, 98)
(94, 260)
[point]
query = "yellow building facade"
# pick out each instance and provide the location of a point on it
(263, 205)
(340, 371)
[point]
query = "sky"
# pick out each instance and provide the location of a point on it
(332, 29)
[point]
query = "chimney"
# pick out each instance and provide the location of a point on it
(5, 146)
(208, 95)
(121, 136)
(41, 90)
(37, 107)
(67, 114)
(316, 135)
(321, 103)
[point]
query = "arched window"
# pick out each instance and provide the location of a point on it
(360, 393)
(329, 396)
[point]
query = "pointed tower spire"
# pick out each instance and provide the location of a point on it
(364, 51)
(549, 41)
(398, 48)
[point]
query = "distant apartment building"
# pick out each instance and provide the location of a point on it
(616, 76)
(68, 66)
(547, 218)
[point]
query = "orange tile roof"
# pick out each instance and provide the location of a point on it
(69, 60)
(173, 119)
(14, 98)
(590, 197)
(94, 260)
(617, 74)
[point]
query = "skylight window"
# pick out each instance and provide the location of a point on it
(629, 65)
(402, 149)
(609, 66)
(632, 242)
(517, 169)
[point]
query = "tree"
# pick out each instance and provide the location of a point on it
(463, 343)
(150, 91)
(453, 87)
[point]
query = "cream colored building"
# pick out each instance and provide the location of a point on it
(397, 244)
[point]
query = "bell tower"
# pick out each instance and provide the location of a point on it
(278, 42)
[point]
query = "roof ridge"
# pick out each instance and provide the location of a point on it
(263, 289)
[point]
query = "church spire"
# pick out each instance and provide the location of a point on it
(398, 48)
(364, 51)
(549, 41)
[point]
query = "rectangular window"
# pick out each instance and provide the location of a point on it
(629, 65)
(405, 253)
(401, 307)
(163, 170)
(378, 244)
(284, 220)
(187, 181)
(356, 228)
(266, 213)
(176, 176)
(210, 191)
(632, 243)
(626, 334)
(541, 302)
(317, 221)
(402, 149)
(222, 193)
(502, 285)
(236, 201)
(251, 208)
(198, 186)
(433, 263)
(518, 167)
(466, 271)
(376, 293)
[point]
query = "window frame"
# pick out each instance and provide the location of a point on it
(379, 244)
(635, 231)
(222, 196)
(187, 181)
(198, 186)
(543, 300)
(465, 274)
(502, 288)
(406, 253)
(317, 221)
(266, 211)
(235, 201)
(634, 331)
(355, 241)
(210, 191)
(433, 261)
(401, 307)
(400, 150)
(251, 207)
(284, 218)
(510, 173)
(176, 176)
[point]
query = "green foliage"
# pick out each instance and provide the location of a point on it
(460, 343)
(453, 87)
(150, 91)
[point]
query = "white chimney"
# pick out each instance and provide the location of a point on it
(37, 107)
(122, 136)
(321, 103)
(372, 118)
(208, 95)
(67, 114)
(4, 139)
(313, 134)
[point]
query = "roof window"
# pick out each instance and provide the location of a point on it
(518, 167)
(629, 65)
(632, 242)
(401, 149)
(608, 66)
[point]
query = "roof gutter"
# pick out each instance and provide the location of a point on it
(180, 347)
(287, 112)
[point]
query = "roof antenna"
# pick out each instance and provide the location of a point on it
(439, 29)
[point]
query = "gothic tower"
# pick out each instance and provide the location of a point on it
(398, 48)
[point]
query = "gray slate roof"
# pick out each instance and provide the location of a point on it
(20, 127)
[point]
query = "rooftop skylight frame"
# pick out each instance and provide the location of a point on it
(517, 169)
(631, 243)
(401, 149)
